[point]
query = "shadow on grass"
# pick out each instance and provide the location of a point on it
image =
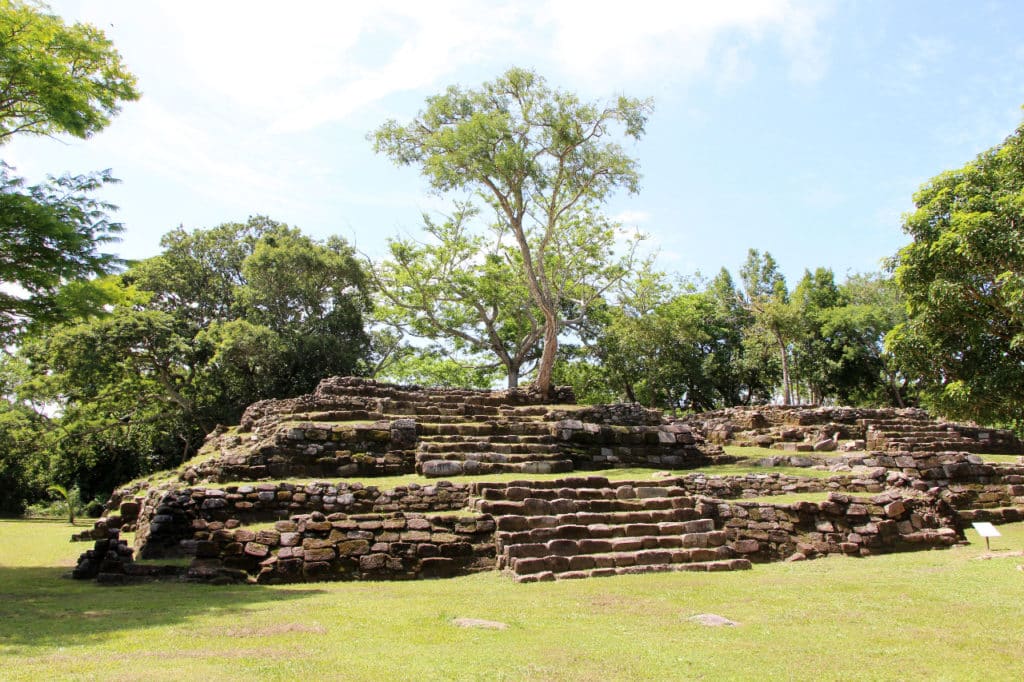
(44, 607)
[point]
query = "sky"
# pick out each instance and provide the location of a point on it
(800, 128)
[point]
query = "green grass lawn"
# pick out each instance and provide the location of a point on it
(926, 615)
(1002, 459)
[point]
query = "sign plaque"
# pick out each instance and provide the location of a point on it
(986, 530)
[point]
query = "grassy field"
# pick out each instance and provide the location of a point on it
(927, 615)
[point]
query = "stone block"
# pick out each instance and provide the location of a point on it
(373, 562)
(318, 555)
(353, 548)
(746, 546)
(256, 549)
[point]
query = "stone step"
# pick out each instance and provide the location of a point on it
(932, 446)
(519, 429)
(909, 421)
(485, 428)
(691, 530)
(442, 468)
(705, 566)
(609, 492)
(510, 554)
(928, 437)
(524, 410)
(440, 419)
(458, 429)
(487, 456)
(568, 482)
(538, 439)
(909, 425)
(537, 507)
(560, 563)
(992, 515)
(340, 416)
(544, 439)
(484, 446)
(524, 524)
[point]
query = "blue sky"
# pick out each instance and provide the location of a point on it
(801, 128)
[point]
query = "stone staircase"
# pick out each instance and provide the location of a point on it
(589, 527)
(514, 441)
(926, 435)
(884, 430)
(360, 427)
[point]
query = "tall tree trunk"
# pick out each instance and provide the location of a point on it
(513, 376)
(787, 386)
(630, 394)
(547, 358)
(895, 389)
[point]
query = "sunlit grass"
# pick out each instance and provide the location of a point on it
(938, 615)
(1002, 459)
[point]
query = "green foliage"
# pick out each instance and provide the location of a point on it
(861, 371)
(675, 346)
(766, 297)
(539, 157)
(706, 345)
(56, 78)
(62, 493)
(52, 234)
(21, 431)
(222, 318)
(432, 367)
(468, 294)
(963, 283)
(314, 296)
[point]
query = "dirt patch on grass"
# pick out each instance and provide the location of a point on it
(479, 623)
(267, 630)
(997, 554)
(100, 613)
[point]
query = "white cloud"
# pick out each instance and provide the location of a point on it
(292, 69)
(245, 104)
(650, 40)
(631, 218)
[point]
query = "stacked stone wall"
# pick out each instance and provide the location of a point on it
(768, 424)
(721, 487)
(843, 524)
(600, 445)
(804, 428)
(938, 468)
(316, 547)
(373, 399)
(296, 448)
(167, 517)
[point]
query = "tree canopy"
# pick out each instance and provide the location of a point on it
(963, 281)
(220, 319)
(536, 155)
(52, 234)
(56, 78)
